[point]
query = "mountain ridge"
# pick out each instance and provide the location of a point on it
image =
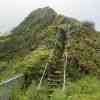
(38, 30)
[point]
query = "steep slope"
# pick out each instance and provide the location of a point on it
(36, 21)
(39, 30)
(83, 49)
(29, 33)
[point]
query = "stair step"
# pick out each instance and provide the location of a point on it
(57, 80)
(54, 85)
(58, 67)
(58, 72)
(55, 76)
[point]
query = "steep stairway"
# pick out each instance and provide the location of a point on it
(55, 74)
(56, 64)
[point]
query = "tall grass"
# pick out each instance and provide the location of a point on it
(87, 88)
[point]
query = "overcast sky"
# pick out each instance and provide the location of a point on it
(12, 12)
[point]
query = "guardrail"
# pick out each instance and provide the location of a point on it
(6, 87)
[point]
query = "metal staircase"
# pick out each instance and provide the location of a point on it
(56, 67)
(55, 75)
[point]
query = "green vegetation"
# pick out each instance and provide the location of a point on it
(87, 88)
(28, 48)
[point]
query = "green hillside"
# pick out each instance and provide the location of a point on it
(26, 50)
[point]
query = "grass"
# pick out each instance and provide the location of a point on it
(20, 65)
(87, 88)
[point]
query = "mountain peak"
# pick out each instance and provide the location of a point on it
(41, 17)
(44, 11)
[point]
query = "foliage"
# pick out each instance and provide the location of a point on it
(87, 88)
(32, 93)
(27, 49)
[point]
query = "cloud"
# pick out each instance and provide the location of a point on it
(12, 12)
